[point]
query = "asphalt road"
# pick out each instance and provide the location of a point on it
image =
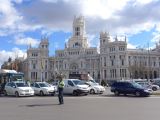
(92, 107)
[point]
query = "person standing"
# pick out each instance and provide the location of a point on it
(60, 91)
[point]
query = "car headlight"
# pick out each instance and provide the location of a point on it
(80, 87)
(147, 90)
(97, 88)
(31, 90)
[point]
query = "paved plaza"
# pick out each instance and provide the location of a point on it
(91, 107)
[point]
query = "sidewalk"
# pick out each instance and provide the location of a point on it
(156, 92)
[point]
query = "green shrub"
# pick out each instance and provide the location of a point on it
(103, 83)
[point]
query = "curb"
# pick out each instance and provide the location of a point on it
(155, 93)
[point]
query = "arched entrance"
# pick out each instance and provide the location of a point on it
(74, 68)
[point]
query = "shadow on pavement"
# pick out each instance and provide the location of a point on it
(38, 105)
(128, 96)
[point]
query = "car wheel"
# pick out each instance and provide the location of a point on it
(154, 88)
(75, 93)
(116, 93)
(137, 94)
(16, 94)
(92, 91)
(5, 93)
(41, 93)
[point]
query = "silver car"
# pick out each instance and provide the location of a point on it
(149, 85)
(18, 88)
(43, 88)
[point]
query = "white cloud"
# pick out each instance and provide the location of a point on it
(16, 52)
(144, 1)
(22, 40)
(9, 17)
(117, 16)
(11, 20)
(131, 46)
(102, 8)
(8, 13)
(156, 37)
(91, 40)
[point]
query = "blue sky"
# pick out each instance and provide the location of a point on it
(24, 22)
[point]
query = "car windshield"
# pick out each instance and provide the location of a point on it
(76, 82)
(137, 85)
(21, 85)
(142, 83)
(43, 85)
(93, 81)
(82, 83)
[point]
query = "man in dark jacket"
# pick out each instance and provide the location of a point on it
(60, 91)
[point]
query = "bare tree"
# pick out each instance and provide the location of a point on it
(137, 71)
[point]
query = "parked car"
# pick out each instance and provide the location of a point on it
(55, 84)
(75, 87)
(149, 85)
(156, 82)
(18, 88)
(95, 88)
(43, 88)
(126, 87)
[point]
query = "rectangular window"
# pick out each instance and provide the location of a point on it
(104, 61)
(33, 75)
(105, 74)
(113, 73)
(122, 62)
(81, 64)
(112, 62)
(123, 73)
(45, 75)
(34, 66)
(36, 76)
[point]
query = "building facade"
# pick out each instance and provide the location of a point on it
(78, 57)
(113, 62)
(36, 66)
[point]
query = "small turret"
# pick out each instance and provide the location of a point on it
(116, 38)
(44, 43)
(125, 39)
(104, 38)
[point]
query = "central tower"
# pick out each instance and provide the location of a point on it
(78, 39)
(79, 27)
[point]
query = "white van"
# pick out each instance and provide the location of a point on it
(75, 87)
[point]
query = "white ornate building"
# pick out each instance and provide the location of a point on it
(37, 65)
(78, 57)
(114, 62)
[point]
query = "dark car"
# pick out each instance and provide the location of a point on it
(125, 87)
